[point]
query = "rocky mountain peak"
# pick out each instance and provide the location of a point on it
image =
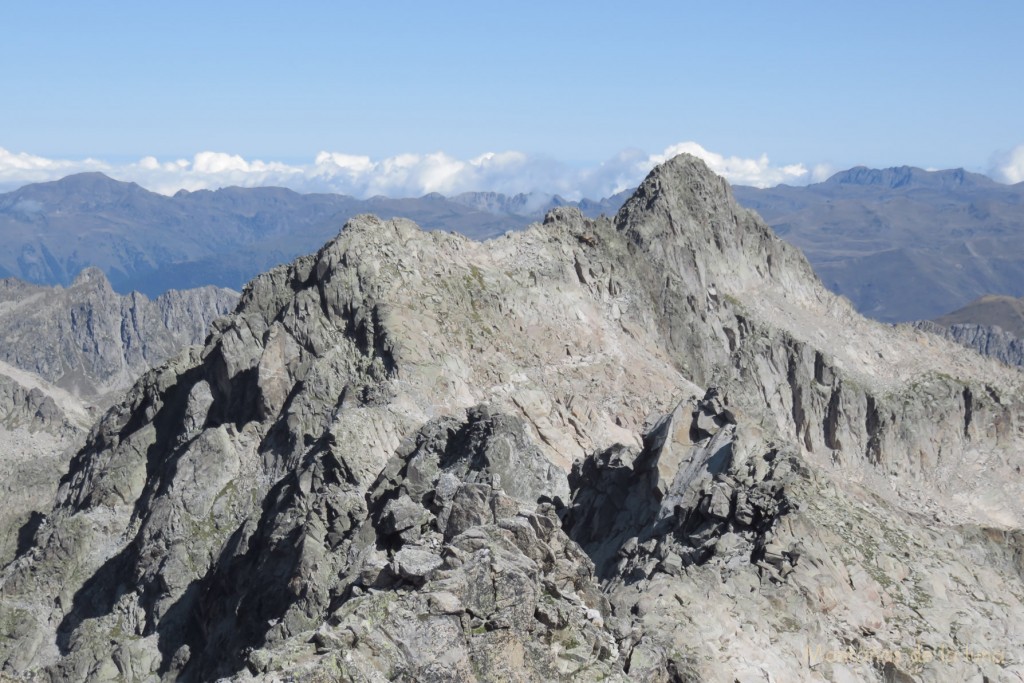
(685, 216)
(682, 183)
(91, 276)
(572, 452)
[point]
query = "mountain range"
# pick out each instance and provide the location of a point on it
(903, 243)
(651, 447)
(150, 243)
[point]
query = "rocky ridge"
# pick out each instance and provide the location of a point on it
(1004, 312)
(991, 325)
(649, 447)
(90, 340)
(987, 340)
(64, 356)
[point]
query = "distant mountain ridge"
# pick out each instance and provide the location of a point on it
(992, 326)
(986, 340)
(909, 177)
(903, 243)
(89, 340)
(151, 243)
(990, 310)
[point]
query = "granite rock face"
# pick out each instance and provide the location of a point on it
(90, 340)
(40, 427)
(652, 447)
(64, 355)
(987, 340)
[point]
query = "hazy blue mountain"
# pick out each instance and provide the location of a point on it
(903, 243)
(151, 243)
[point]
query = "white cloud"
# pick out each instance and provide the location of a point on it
(22, 168)
(1009, 166)
(739, 171)
(822, 172)
(404, 175)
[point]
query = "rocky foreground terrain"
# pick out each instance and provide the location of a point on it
(652, 448)
(66, 354)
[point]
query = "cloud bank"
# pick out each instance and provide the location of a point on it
(404, 175)
(1009, 166)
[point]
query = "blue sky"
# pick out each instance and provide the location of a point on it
(570, 86)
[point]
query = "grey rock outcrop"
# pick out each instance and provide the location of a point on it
(646, 448)
(477, 580)
(63, 352)
(92, 341)
(988, 341)
(33, 408)
(40, 426)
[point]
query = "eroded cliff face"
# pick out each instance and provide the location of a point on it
(65, 355)
(648, 447)
(94, 342)
(988, 340)
(41, 426)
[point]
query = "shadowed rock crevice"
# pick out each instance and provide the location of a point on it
(97, 596)
(634, 522)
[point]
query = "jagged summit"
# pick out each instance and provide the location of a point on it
(94, 342)
(685, 214)
(628, 448)
(91, 276)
